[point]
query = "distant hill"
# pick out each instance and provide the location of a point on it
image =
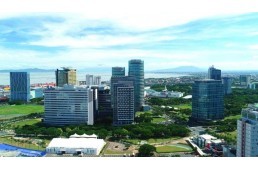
(27, 70)
(180, 69)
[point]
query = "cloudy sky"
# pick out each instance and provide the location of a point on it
(106, 33)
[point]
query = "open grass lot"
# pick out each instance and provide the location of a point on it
(233, 117)
(11, 141)
(158, 120)
(10, 111)
(27, 122)
(183, 106)
(108, 151)
(151, 141)
(173, 148)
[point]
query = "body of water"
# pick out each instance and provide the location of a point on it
(48, 77)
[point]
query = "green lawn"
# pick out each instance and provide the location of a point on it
(108, 151)
(10, 111)
(11, 141)
(173, 148)
(151, 141)
(233, 117)
(183, 106)
(27, 122)
(158, 120)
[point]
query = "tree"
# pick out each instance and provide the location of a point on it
(146, 150)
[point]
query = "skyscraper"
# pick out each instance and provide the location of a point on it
(89, 80)
(136, 70)
(214, 73)
(208, 100)
(65, 76)
(20, 86)
(123, 110)
(118, 71)
(247, 132)
(245, 80)
(104, 104)
(97, 80)
(68, 105)
(227, 82)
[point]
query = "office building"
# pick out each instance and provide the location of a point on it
(227, 82)
(207, 100)
(105, 111)
(36, 92)
(68, 106)
(214, 73)
(118, 71)
(20, 86)
(89, 80)
(65, 76)
(123, 110)
(245, 80)
(247, 132)
(136, 70)
(97, 80)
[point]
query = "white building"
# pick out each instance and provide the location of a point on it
(89, 79)
(76, 144)
(164, 94)
(247, 132)
(97, 80)
(68, 105)
(36, 93)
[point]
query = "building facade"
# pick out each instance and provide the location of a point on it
(245, 80)
(123, 110)
(227, 83)
(214, 73)
(97, 80)
(247, 132)
(104, 100)
(20, 86)
(207, 100)
(68, 105)
(65, 76)
(89, 79)
(118, 71)
(136, 70)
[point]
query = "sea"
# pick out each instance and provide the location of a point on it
(49, 77)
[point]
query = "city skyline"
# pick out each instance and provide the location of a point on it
(100, 34)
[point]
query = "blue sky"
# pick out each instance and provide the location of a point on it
(165, 34)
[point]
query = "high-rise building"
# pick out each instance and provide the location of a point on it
(105, 111)
(89, 79)
(117, 79)
(20, 86)
(118, 71)
(136, 70)
(227, 82)
(65, 76)
(207, 100)
(68, 105)
(247, 132)
(123, 110)
(245, 80)
(214, 73)
(97, 80)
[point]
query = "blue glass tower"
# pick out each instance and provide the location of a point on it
(118, 71)
(20, 86)
(208, 100)
(136, 70)
(214, 73)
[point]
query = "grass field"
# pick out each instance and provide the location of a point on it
(108, 151)
(27, 122)
(158, 120)
(11, 141)
(151, 141)
(173, 148)
(183, 106)
(10, 111)
(233, 117)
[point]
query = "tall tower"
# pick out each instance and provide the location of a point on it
(247, 130)
(227, 82)
(214, 73)
(89, 79)
(208, 100)
(65, 76)
(20, 86)
(136, 70)
(118, 71)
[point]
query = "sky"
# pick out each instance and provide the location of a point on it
(105, 33)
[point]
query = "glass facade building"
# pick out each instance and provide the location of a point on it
(207, 100)
(65, 76)
(136, 70)
(227, 82)
(214, 73)
(20, 86)
(118, 71)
